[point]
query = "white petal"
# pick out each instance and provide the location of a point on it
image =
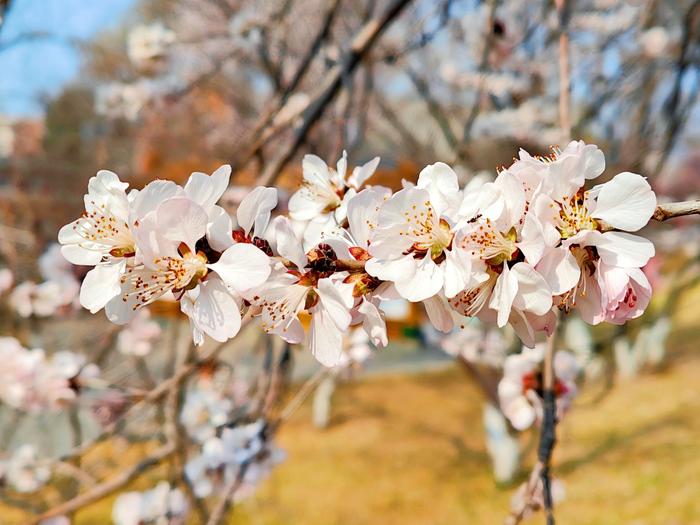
(287, 243)
(534, 294)
(75, 254)
(219, 229)
(624, 249)
(214, 311)
(443, 186)
(373, 322)
(151, 196)
(513, 195)
(560, 269)
(626, 202)
(206, 190)
(101, 285)
(326, 341)
(393, 270)
(458, 275)
(336, 298)
(503, 295)
(315, 171)
(181, 220)
(426, 281)
(363, 213)
(242, 267)
(254, 210)
(361, 174)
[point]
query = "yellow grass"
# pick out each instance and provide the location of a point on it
(409, 450)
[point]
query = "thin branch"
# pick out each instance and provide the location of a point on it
(548, 437)
(564, 12)
(359, 47)
(102, 490)
(676, 117)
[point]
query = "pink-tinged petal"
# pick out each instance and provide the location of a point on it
(373, 323)
(181, 220)
(151, 196)
(624, 249)
(254, 211)
(560, 270)
(326, 341)
(242, 267)
(533, 294)
(590, 304)
(362, 173)
(280, 301)
(503, 295)
(627, 202)
(439, 314)
(427, 280)
(205, 189)
(442, 185)
(101, 285)
(213, 310)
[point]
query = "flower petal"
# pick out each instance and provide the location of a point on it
(242, 267)
(627, 202)
(254, 210)
(624, 249)
(205, 189)
(101, 285)
(213, 310)
(560, 269)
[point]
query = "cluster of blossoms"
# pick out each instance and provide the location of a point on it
(520, 389)
(216, 407)
(32, 383)
(162, 505)
(58, 292)
(511, 251)
(24, 471)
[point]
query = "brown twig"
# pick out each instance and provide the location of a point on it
(106, 488)
(359, 48)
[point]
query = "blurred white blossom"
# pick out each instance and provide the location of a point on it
(161, 505)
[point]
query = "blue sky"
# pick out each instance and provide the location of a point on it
(39, 67)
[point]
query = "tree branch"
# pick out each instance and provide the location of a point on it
(359, 47)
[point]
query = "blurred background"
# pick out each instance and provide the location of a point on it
(409, 434)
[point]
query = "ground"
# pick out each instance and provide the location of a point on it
(409, 450)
